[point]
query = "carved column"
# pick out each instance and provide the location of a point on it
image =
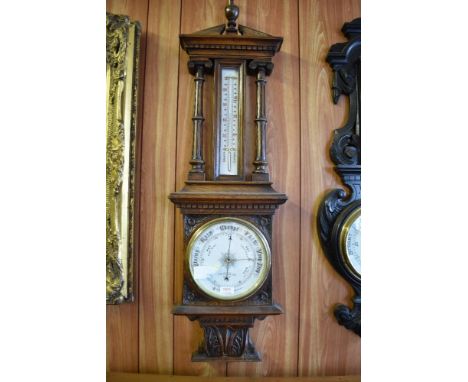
(261, 70)
(198, 69)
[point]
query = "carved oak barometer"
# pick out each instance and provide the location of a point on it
(339, 215)
(228, 201)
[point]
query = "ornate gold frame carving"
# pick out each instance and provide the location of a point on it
(122, 55)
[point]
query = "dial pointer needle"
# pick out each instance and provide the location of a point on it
(228, 260)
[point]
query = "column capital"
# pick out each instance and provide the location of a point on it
(255, 65)
(194, 64)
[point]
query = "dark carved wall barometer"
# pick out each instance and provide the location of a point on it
(228, 201)
(339, 215)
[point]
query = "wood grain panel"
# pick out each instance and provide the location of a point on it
(122, 320)
(325, 348)
(277, 337)
(122, 337)
(158, 178)
(196, 15)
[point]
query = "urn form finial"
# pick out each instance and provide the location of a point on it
(232, 13)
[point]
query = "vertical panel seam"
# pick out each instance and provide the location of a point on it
(142, 92)
(175, 185)
(300, 186)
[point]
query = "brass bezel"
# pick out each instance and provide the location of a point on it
(347, 223)
(265, 271)
(219, 65)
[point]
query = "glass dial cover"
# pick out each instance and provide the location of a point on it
(351, 241)
(228, 258)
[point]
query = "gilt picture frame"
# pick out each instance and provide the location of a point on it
(122, 59)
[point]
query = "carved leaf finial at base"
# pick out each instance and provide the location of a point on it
(349, 318)
(226, 339)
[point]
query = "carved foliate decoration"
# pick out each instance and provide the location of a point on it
(350, 318)
(339, 205)
(345, 60)
(122, 52)
(225, 341)
(227, 338)
(191, 222)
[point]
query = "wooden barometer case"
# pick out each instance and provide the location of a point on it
(339, 215)
(228, 201)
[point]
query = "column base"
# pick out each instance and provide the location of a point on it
(260, 176)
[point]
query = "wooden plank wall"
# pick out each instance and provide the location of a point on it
(305, 341)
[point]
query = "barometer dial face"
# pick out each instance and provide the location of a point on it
(228, 258)
(350, 239)
(230, 125)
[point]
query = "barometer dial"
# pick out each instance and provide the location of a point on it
(228, 258)
(228, 147)
(350, 239)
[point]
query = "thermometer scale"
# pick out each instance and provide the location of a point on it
(228, 148)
